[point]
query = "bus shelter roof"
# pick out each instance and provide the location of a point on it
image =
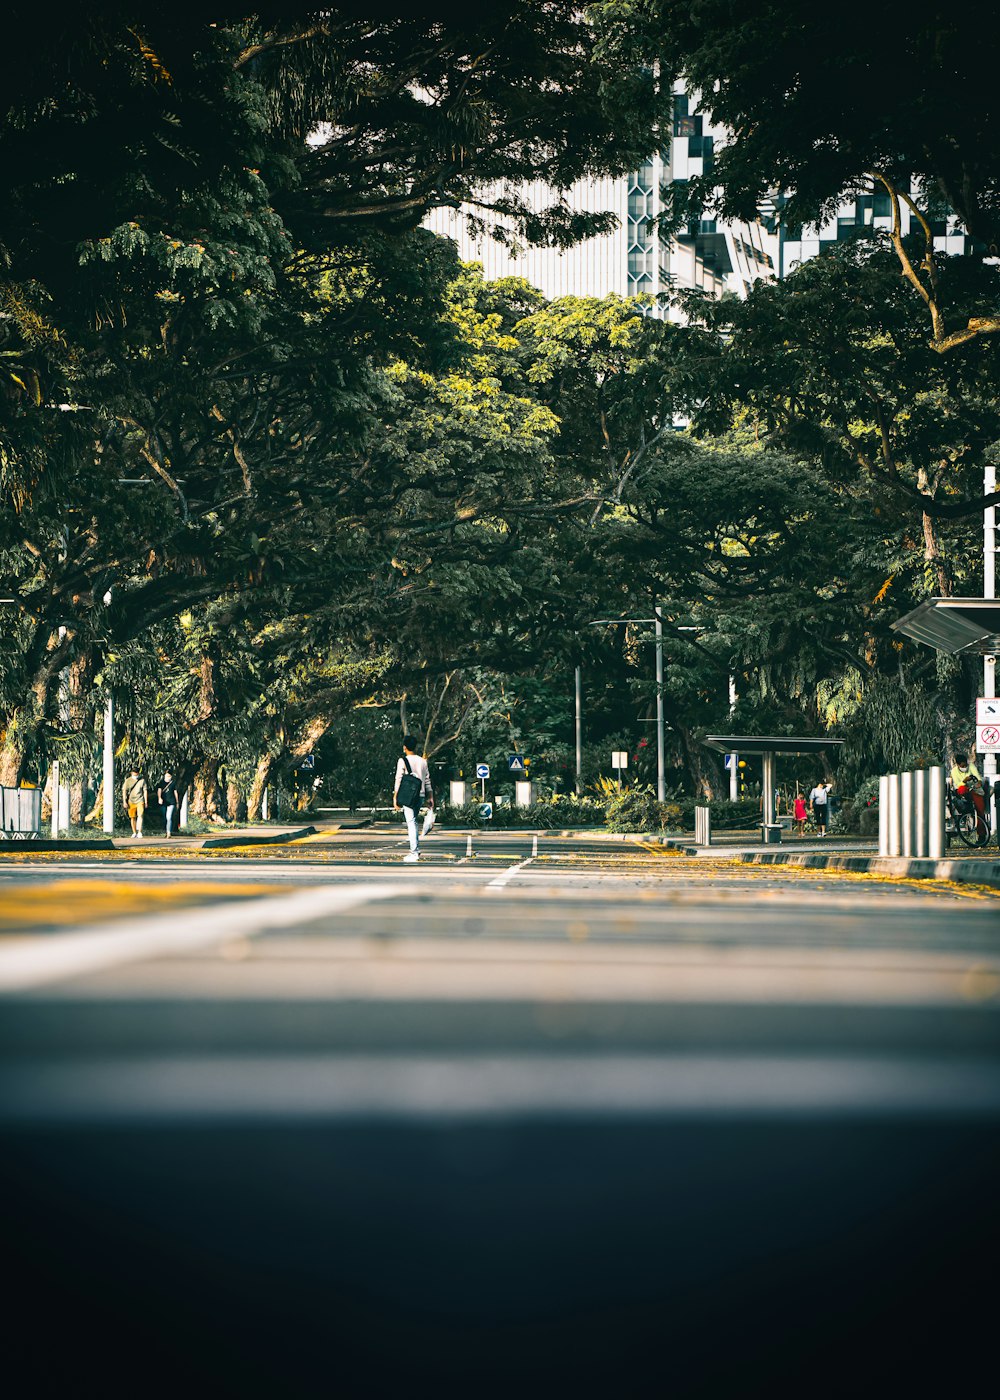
(955, 625)
(767, 743)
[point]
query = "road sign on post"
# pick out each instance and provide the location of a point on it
(308, 762)
(988, 738)
(485, 811)
(988, 710)
(619, 760)
(516, 763)
(482, 773)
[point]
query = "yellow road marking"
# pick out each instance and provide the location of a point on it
(68, 902)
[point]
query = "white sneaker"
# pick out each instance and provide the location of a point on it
(410, 857)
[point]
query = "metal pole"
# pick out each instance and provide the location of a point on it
(579, 731)
(55, 799)
(734, 777)
(883, 815)
(661, 770)
(935, 813)
(109, 765)
(768, 777)
(990, 591)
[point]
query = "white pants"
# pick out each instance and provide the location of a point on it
(411, 825)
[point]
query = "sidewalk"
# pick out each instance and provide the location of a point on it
(966, 866)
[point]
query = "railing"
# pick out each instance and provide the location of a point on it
(20, 813)
(911, 814)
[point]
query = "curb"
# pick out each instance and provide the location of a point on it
(972, 871)
(222, 843)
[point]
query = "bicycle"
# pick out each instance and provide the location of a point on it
(963, 820)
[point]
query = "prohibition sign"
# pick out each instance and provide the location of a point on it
(990, 735)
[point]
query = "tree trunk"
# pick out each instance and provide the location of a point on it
(260, 781)
(13, 750)
(235, 806)
(205, 790)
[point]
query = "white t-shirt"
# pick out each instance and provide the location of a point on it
(419, 769)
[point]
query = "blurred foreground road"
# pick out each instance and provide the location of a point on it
(587, 1117)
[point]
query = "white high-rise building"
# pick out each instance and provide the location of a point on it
(633, 259)
(858, 216)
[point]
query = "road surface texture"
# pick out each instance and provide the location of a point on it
(525, 1118)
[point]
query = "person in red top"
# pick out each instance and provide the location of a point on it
(800, 814)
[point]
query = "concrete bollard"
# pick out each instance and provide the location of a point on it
(892, 815)
(935, 813)
(524, 793)
(883, 815)
(456, 793)
(702, 826)
(920, 830)
(906, 814)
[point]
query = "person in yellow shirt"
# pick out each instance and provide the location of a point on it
(967, 782)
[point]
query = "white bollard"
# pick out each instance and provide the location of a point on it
(883, 815)
(54, 798)
(893, 815)
(906, 814)
(702, 826)
(920, 829)
(456, 793)
(935, 813)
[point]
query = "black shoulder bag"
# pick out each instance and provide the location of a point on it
(411, 788)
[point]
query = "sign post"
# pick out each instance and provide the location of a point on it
(482, 773)
(619, 760)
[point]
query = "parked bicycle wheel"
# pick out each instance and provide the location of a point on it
(969, 830)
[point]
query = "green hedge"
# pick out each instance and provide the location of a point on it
(550, 814)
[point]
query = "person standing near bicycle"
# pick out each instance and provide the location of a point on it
(967, 782)
(818, 802)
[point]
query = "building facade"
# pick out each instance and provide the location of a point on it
(634, 259)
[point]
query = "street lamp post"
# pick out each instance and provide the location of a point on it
(661, 774)
(579, 731)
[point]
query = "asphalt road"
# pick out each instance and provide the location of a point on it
(583, 1116)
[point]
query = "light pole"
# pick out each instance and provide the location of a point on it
(661, 774)
(579, 731)
(990, 591)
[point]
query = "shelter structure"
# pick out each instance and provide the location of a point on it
(955, 625)
(768, 746)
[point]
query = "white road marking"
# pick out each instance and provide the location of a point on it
(55, 957)
(227, 1087)
(501, 880)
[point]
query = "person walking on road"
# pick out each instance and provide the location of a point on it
(411, 788)
(169, 799)
(135, 796)
(818, 800)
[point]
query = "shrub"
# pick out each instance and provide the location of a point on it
(636, 809)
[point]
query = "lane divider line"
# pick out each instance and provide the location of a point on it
(54, 957)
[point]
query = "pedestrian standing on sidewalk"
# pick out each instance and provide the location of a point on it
(135, 796)
(818, 799)
(411, 788)
(801, 812)
(169, 799)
